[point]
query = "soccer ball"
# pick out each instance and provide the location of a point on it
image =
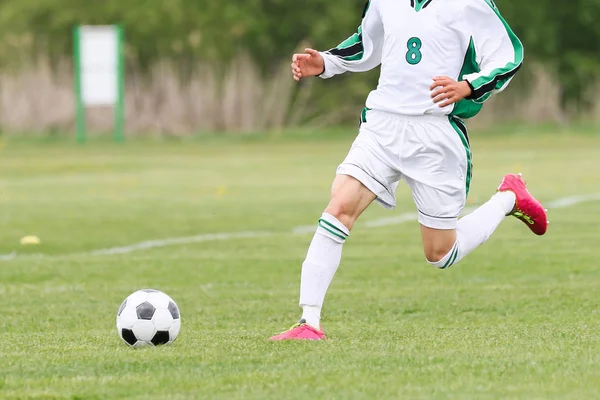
(148, 318)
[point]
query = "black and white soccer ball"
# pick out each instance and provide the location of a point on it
(148, 317)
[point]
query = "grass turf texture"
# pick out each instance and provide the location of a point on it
(517, 319)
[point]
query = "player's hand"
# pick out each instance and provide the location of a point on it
(447, 91)
(310, 63)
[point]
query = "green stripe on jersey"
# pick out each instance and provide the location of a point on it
(467, 108)
(420, 4)
(366, 8)
(465, 143)
(356, 57)
(492, 4)
(351, 41)
(363, 114)
(500, 76)
(351, 49)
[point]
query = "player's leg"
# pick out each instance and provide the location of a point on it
(361, 178)
(446, 247)
(446, 239)
(349, 198)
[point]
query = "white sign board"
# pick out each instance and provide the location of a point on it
(99, 65)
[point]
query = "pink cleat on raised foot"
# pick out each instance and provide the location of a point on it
(300, 331)
(527, 208)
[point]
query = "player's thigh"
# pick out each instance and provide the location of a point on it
(439, 206)
(438, 211)
(437, 167)
(439, 180)
(366, 162)
(349, 198)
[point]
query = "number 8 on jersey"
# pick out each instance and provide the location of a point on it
(414, 56)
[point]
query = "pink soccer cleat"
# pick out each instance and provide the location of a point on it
(527, 208)
(301, 331)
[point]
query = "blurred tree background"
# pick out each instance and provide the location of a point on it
(239, 50)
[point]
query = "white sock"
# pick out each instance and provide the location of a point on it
(476, 228)
(319, 267)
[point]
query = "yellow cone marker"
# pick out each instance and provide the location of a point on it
(221, 191)
(30, 240)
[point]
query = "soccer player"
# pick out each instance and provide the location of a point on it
(440, 61)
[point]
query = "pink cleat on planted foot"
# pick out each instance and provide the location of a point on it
(527, 208)
(300, 331)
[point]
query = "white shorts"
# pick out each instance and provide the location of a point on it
(430, 153)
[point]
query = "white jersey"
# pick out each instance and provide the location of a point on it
(416, 40)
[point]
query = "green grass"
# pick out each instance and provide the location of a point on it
(517, 319)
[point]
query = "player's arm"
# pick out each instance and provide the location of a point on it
(360, 52)
(499, 51)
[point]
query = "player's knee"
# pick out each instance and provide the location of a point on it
(435, 254)
(343, 212)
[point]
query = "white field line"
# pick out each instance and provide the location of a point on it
(564, 202)
(571, 201)
(150, 244)
(6, 257)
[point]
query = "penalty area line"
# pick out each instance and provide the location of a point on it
(563, 202)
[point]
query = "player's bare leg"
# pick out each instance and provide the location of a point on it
(349, 198)
(444, 248)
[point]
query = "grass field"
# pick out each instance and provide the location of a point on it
(518, 319)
